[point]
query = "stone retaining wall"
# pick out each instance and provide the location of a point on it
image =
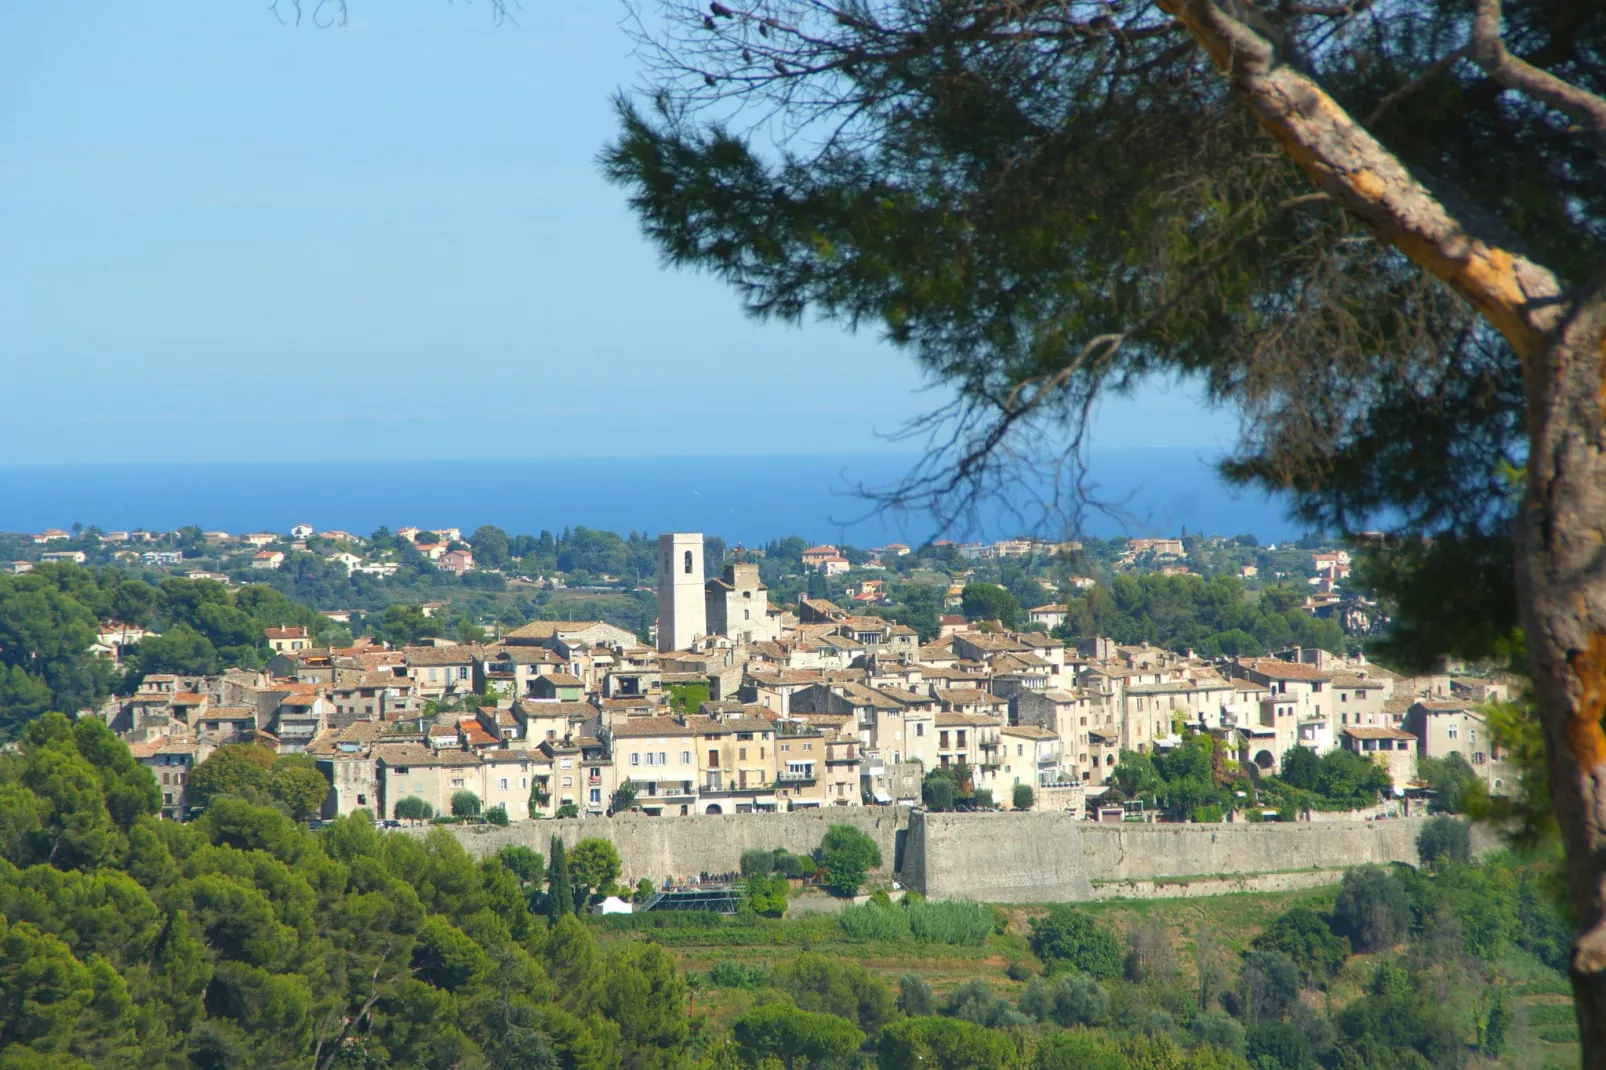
(1033, 857)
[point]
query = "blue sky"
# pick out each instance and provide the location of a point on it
(229, 239)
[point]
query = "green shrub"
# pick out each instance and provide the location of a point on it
(1558, 1034)
(1080, 1000)
(413, 808)
(729, 974)
(1304, 937)
(465, 804)
(872, 922)
(1017, 971)
(847, 856)
(974, 1001)
(1444, 839)
(1552, 1014)
(497, 815)
(1078, 1051)
(1067, 937)
(835, 986)
(757, 863)
(1022, 797)
(914, 996)
(777, 1034)
(950, 921)
(943, 1042)
(1373, 908)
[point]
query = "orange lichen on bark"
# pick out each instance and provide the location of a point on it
(1585, 739)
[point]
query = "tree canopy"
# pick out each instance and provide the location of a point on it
(1377, 231)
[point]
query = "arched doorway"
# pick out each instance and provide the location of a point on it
(1265, 760)
(713, 808)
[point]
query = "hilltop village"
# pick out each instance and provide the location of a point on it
(740, 704)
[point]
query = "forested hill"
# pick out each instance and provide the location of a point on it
(243, 940)
(49, 619)
(1212, 615)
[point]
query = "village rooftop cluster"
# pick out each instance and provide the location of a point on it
(745, 706)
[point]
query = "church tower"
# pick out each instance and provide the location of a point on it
(682, 615)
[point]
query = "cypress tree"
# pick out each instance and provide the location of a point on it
(560, 893)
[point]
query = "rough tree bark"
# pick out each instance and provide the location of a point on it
(1561, 338)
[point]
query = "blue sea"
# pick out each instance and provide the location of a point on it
(1161, 491)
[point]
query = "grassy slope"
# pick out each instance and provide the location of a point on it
(1233, 920)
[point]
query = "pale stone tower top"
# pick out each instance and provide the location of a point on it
(682, 616)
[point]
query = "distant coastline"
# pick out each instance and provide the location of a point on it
(750, 499)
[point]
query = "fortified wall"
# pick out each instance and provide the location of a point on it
(1035, 857)
(659, 847)
(1051, 857)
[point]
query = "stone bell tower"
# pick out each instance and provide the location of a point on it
(682, 615)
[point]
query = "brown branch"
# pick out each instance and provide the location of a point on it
(1489, 52)
(1429, 73)
(1469, 250)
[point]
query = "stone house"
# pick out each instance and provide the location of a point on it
(1392, 748)
(736, 763)
(658, 756)
(1451, 726)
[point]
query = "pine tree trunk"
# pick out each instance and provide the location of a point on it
(1561, 338)
(1561, 571)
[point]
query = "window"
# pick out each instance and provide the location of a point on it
(1454, 732)
(362, 800)
(596, 795)
(785, 747)
(713, 759)
(747, 614)
(741, 754)
(635, 759)
(568, 781)
(808, 746)
(504, 783)
(920, 730)
(1019, 750)
(685, 757)
(401, 770)
(688, 562)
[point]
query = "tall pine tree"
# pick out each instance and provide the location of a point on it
(560, 893)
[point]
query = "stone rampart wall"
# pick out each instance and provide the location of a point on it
(1034, 857)
(659, 847)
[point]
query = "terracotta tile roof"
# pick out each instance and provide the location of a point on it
(1027, 731)
(638, 727)
(1368, 732)
(572, 710)
(474, 733)
(962, 720)
(418, 754)
(442, 655)
(1356, 683)
(1277, 669)
(968, 696)
(550, 629)
(707, 726)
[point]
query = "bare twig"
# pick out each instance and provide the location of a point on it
(1489, 51)
(1428, 74)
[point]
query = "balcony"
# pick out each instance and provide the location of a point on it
(796, 775)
